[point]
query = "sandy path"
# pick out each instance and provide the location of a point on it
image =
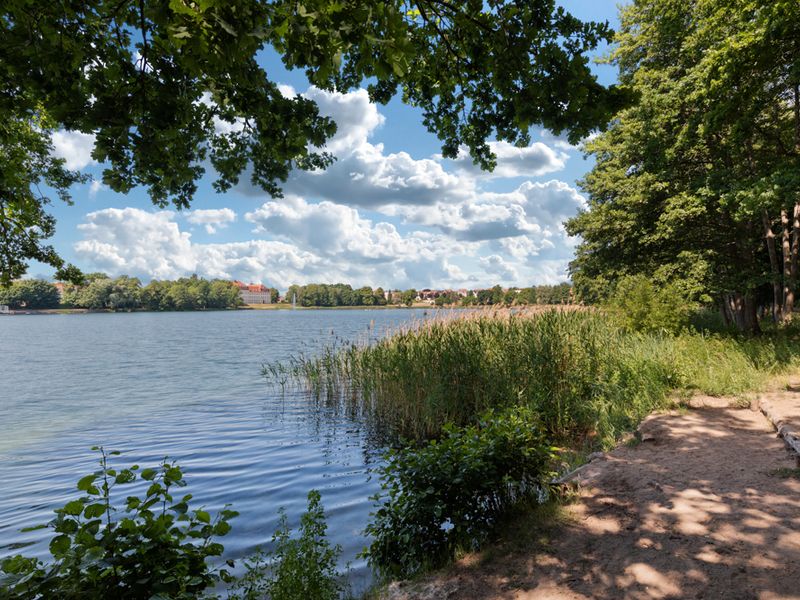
(696, 511)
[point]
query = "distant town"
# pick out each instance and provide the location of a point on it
(100, 292)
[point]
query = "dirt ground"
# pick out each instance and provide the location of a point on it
(706, 506)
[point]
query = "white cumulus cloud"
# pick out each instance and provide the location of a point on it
(496, 265)
(74, 147)
(512, 161)
(211, 219)
(136, 242)
(151, 244)
(96, 187)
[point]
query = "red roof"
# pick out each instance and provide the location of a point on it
(253, 287)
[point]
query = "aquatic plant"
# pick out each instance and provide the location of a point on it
(587, 379)
(298, 568)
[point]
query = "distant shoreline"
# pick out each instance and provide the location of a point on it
(83, 311)
(283, 306)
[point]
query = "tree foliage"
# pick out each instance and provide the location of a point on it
(338, 294)
(166, 86)
(30, 293)
(27, 167)
(639, 305)
(691, 179)
(127, 293)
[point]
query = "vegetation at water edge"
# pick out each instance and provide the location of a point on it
(129, 536)
(484, 407)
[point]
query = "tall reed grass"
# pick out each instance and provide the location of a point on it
(587, 379)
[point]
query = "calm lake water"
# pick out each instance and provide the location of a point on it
(187, 386)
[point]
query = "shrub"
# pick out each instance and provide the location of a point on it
(448, 494)
(296, 569)
(152, 546)
(640, 306)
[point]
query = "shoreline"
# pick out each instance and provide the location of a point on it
(83, 311)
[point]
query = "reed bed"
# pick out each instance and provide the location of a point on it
(588, 380)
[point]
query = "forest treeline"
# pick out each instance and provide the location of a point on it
(101, 292)
(341, 294)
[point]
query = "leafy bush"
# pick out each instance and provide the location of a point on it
(447, 495)
(640, 306)
(296, 569)
(151, 547)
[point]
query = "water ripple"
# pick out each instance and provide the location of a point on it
(187, 386)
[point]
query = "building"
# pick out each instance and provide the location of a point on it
(253, 293)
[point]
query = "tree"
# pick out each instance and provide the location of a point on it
(125, 293)
(689, 181)
(510, 297)
(97, 294)
(168, 86)
(154, 295)
(30, 293)
(223, 294)
(408, 296)
(27, 166)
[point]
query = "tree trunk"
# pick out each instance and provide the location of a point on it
(776, 269)
(725, 311)
(788, 290)
(794, 252)
(734, 302)
(744, 311)
(750, 316)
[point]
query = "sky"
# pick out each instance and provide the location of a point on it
(390, 212)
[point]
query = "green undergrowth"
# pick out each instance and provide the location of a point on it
(447, 496)
(129, 536)
(482, 410)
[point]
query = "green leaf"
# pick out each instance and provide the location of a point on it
(74, 507)
(202, 516)
(84, 483)
(59, 545)
(222, 528)
(94, 510)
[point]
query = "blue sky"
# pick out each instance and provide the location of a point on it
(390, 212)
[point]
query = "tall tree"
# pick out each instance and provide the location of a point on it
(165, 85)
(690, 180)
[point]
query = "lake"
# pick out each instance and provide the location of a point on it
(187, 386)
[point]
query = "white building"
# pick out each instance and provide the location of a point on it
(254, 293)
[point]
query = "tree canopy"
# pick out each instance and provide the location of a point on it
(167, 86)
(692, 179)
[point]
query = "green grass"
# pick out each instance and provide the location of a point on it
(785, 473)
(588, 380)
